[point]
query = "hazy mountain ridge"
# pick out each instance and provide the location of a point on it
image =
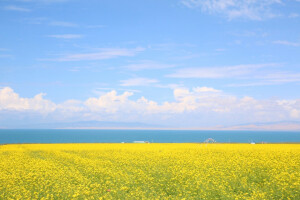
(272, 126)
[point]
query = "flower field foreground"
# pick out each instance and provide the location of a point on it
(150, 171)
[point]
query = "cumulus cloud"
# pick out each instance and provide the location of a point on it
(203, 103)
(9, 100)
(253, 9)
(205, 89)
(109, 102)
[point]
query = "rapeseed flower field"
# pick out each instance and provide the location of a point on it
(150, 171)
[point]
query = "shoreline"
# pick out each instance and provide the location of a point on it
(216, 143)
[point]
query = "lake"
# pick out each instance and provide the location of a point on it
(9, 136)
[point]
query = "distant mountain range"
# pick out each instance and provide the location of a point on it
(280, 126)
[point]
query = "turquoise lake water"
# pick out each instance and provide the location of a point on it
(157, 136)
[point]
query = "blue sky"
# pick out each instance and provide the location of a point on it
(180, 63)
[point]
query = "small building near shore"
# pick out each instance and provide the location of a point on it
(210, 140)
(140, 142)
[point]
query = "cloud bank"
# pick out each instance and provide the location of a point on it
(197, 107)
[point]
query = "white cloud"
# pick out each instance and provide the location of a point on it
(287, 43)
(293, 15)
(258, 74)
(66, 36)
(105, 53)
(218, 72)
(271, 78)
(63, 24)
(205, 89)
(138, 82)
(195, 106)
(9, 100)
(203, 98)
(147, 65)
(281, 77)
(250, 9)
(16, 8)
(109, 102)
(170, 86)
(249, 33)
(71, 105)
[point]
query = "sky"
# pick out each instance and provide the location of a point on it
(177, 64)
